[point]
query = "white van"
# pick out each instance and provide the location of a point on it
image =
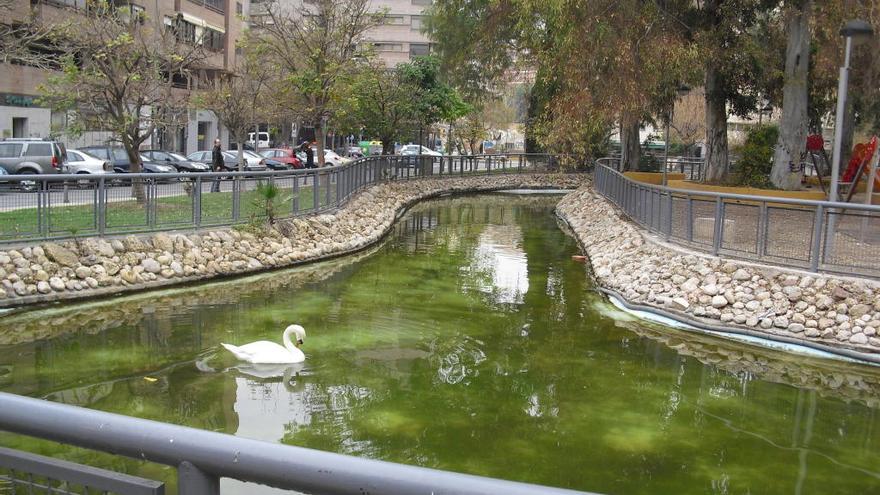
(263, 140)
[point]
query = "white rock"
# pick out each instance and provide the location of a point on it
(151, 266)
(719, 301)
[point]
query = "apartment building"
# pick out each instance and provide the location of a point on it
(400, 38)
(216, 24)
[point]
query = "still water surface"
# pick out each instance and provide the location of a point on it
(467, 341)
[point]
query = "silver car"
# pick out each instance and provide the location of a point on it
(32, 156)
(80, 162)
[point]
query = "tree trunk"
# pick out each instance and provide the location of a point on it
(137, 185)
(387, 146)
(449, 140)
(240, 157)
(716, 160)
(320, 137)
(793, 125)
(630, 147)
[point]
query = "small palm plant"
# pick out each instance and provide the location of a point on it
(268, 193)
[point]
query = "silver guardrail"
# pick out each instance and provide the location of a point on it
(810, 235)
(203, 457)
(58, 206)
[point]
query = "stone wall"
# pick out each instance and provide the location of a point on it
(94, 267)
(834, 311)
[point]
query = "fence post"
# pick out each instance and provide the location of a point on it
(329, 180)
(42, 208)
(295, 198)
(689, 220)
(669, 213)
(236, 196)
(197, 202)
(193, 481)
(152, 192)
(315, 192)
(761, 248)
(816, 250)
(101, 206)
(719, 225)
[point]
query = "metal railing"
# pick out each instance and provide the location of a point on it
(810, 235)
(692, 168)
(42, 207)
(203, 457)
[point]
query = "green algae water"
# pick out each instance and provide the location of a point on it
(467, 341)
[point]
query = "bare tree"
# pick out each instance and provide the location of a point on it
(314, 49)
(238, 99)
(119, 70)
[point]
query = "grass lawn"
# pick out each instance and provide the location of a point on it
(125, 214)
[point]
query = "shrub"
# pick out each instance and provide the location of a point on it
(753, 168)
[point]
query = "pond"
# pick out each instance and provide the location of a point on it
(470, 341)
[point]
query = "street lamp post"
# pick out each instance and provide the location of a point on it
(855, 29)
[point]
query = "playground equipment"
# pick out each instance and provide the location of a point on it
(816, 146)
(864, 156)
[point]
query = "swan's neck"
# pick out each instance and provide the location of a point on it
(285, 338)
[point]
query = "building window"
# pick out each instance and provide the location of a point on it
(211, 4)
(421, 2)
(419, 49)
(416, 22)
(394, 19)
(213, 40)
(238, 8)
(388, 47)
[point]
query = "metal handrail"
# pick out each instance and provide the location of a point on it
(744, 226)
(749, 197)
(44, 213)
(202, 457)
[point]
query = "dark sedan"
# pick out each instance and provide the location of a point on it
(230, 161)
(180, 162)
(122, 164)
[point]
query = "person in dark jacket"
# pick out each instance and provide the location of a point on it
(310, 155)
(217, 164)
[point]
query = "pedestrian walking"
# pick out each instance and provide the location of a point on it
(217, 164)
(310, 155)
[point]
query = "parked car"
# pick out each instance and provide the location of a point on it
(230, 160)
(80, 162)
(415, 149)
(262, 140)
(32, 156)
(331, 158)
(284, 155)
(180, 162)
(118, 157)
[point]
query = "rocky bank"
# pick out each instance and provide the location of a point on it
(834, 311)
(91, 267)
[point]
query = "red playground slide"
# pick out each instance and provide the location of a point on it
(862, 153)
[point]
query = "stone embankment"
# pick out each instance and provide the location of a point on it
(91, 267)
(834, 311)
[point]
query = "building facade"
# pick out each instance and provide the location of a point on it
(216, 24)
(400, 38)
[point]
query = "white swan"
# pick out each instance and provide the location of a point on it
(265, 352)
